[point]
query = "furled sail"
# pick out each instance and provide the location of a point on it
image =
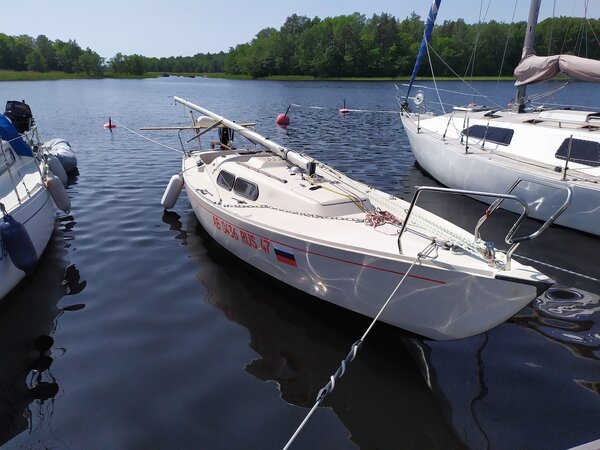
(533, 69)
(435, 6)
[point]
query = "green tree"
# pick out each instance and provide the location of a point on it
(67, 55)
(44, 46)
(90, 62)
(36, 62)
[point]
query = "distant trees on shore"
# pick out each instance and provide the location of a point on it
(42, 55)
(343, 46)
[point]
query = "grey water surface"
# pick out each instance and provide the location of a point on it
(136, 331)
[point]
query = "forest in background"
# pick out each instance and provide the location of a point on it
(342, 46)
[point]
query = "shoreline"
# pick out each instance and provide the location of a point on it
(10, 75)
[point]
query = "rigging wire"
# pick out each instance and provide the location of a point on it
(465, 81)
(506, 43)
(551, 27)
(471, 62)
(434, 80)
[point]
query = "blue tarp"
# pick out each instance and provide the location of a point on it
(9, 133)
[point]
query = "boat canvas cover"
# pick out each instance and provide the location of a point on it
(534, 68)
(9, 133)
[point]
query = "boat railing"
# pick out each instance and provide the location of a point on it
(515, 241)
(510, 238)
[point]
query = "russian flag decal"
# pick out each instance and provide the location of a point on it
(285, 255)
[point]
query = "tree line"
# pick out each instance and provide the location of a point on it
(343, 46)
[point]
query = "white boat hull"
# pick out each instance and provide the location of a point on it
(339, 240)
(439, 304)
(37, 215)
(449, 163)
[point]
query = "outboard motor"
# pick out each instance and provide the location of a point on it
(19, 114)
(226, 136)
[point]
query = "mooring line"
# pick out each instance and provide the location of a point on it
(147, 138)
(355, 347)
(570, 272)
(347, 109)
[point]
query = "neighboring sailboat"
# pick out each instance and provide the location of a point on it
(310, 226)
(482, 149)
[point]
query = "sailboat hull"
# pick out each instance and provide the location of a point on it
(434, 301)
(495, 170)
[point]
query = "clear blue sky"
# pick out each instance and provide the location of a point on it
(177, 27)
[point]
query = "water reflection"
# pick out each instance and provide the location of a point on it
(512, 386)
(28, 318)
(299, 343)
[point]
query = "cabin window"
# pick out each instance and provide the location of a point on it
(582, 152)
(245, 189)
(498, 135)
(7, 159)
(226, 179)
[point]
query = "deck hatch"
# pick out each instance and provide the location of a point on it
(582, 152)
(498, 135)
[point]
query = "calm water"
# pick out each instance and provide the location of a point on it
(159, 339)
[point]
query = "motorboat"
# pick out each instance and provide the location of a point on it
(29, 195)
(312, 227)
(480, 148)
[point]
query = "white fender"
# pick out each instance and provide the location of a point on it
(172, 191)
(57, 168)
(58, 193)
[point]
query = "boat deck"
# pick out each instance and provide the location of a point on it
(325, 209)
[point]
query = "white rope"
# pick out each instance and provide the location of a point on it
(587, 277)
(146, 138)
(349, 110)
(354, 350)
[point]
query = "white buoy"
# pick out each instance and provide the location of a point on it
(172, 191)
(57, 168)
(58, 193)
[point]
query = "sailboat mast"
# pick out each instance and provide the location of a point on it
(528, 49)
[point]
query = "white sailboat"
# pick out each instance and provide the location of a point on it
(482, 149)
(313, 228)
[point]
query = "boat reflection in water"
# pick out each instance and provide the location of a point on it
(529, 383)
(382, 399)
(28, 319)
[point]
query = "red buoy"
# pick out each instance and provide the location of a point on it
(282, 119)
(344, 110)
(109, 125)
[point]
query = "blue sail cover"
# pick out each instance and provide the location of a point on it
(9, 133)
(435, 5)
